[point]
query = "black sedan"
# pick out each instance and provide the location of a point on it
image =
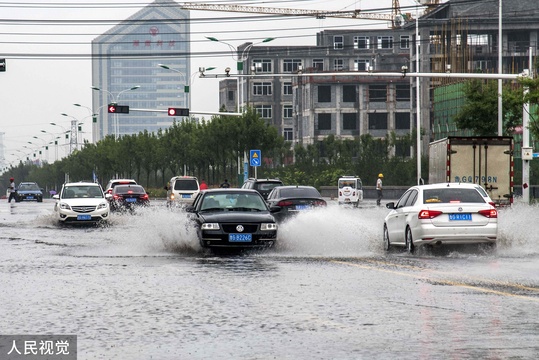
(287, 201)
(233, 218)
(127, 197)
(29, 191)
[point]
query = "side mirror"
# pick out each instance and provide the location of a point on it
(108, 196)
(390, 205)
(56, 197)
(274, 209)
(190, 209)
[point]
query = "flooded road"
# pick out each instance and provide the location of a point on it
(142, 288)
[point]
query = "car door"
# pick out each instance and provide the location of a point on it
(396, 219)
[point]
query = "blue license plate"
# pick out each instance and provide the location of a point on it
(240, 237)
(186, 196)
(131, 200)
(84, 217)
(460, 217)
(30, 197)
(303, 207)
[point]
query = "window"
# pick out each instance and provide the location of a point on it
(263, 65)
(361, 42)
(385, 42)
(405, 42)
(287, 111)
(402, 92)
(324, 121)
(318, 64)
(291, 65)
(338, 64)
(262, 88)
(349, 93)
(338, 42)
(287, 88)
(230, 95)
(361, 65)
(324, 93)
(377, 93)
(402, 121)
(378, 121)
(288, 134)
(349, 121)
(264, 111)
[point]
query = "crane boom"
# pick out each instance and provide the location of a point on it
(319, 14)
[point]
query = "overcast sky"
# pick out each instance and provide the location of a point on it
(36, 90)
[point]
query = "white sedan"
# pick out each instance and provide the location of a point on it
(436, 214)
(82, 203)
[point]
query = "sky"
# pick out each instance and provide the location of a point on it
(37, 88)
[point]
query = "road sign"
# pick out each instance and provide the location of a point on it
(535, 155)
(255, 157)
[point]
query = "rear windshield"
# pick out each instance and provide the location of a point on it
(452, 195)
(300, 192)
(187, 184)
(267, 186)
(112, 185)
(126, 188)
(347, 183)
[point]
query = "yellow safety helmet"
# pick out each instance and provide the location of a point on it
(380, 175)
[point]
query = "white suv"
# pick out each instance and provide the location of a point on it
(81, 202)
(182, 190)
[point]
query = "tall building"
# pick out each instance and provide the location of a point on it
(126, 70)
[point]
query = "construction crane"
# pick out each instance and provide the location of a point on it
(396, 18)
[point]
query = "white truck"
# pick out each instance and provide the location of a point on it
(486, 161)
(350, 190)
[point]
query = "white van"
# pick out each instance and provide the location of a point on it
(182, 190)
(350, 190)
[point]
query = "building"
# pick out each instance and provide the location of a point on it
(125, 70)
(307, 108)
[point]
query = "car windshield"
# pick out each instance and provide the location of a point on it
(452, 195)
(232, 202)
(123, 189)
(185, 184)
(347, 183)
(26, 187)
(299, 192)
(81, 191)
(266, 186)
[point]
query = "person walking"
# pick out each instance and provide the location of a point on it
(203, 185)
(225, 184)
(12, 191)
(379, 188)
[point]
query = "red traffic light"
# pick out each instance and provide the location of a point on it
(118, 109)
(178, 112)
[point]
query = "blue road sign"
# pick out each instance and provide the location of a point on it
(255, 157)
(535, 155)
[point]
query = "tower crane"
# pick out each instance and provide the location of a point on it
(396, 18)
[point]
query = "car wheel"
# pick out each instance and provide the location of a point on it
(387, 243)
(39, 200)
(409, 241)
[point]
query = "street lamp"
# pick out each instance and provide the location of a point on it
(53, 141)
(115, 101)
(240, 58)
(65, 131)
(94, 116)
(187, 81)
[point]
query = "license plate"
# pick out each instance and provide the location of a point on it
(460, 216)
(84, 217)
(131, 200)
(240, 237)
(186, 196)
(303, 207)
(30, 197)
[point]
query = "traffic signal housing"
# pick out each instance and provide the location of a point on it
(178, 112)
(118, 109)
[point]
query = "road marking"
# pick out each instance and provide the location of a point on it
(446, 282)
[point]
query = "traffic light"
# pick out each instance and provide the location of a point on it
(2, 64)
(118, 109)
(178, 112)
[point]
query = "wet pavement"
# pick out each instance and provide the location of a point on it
(141, 288)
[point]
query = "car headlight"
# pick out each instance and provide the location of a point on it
(65, 206)
(210, 226)
(103, 205)
(268, 226)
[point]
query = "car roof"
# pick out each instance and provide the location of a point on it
(295, 187)
(81, 183)
(447, 185)
(265, 180)
(120, 180)
(230, 190)
(28, 182)
(184, 177)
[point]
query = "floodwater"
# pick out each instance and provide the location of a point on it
(142, 288)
